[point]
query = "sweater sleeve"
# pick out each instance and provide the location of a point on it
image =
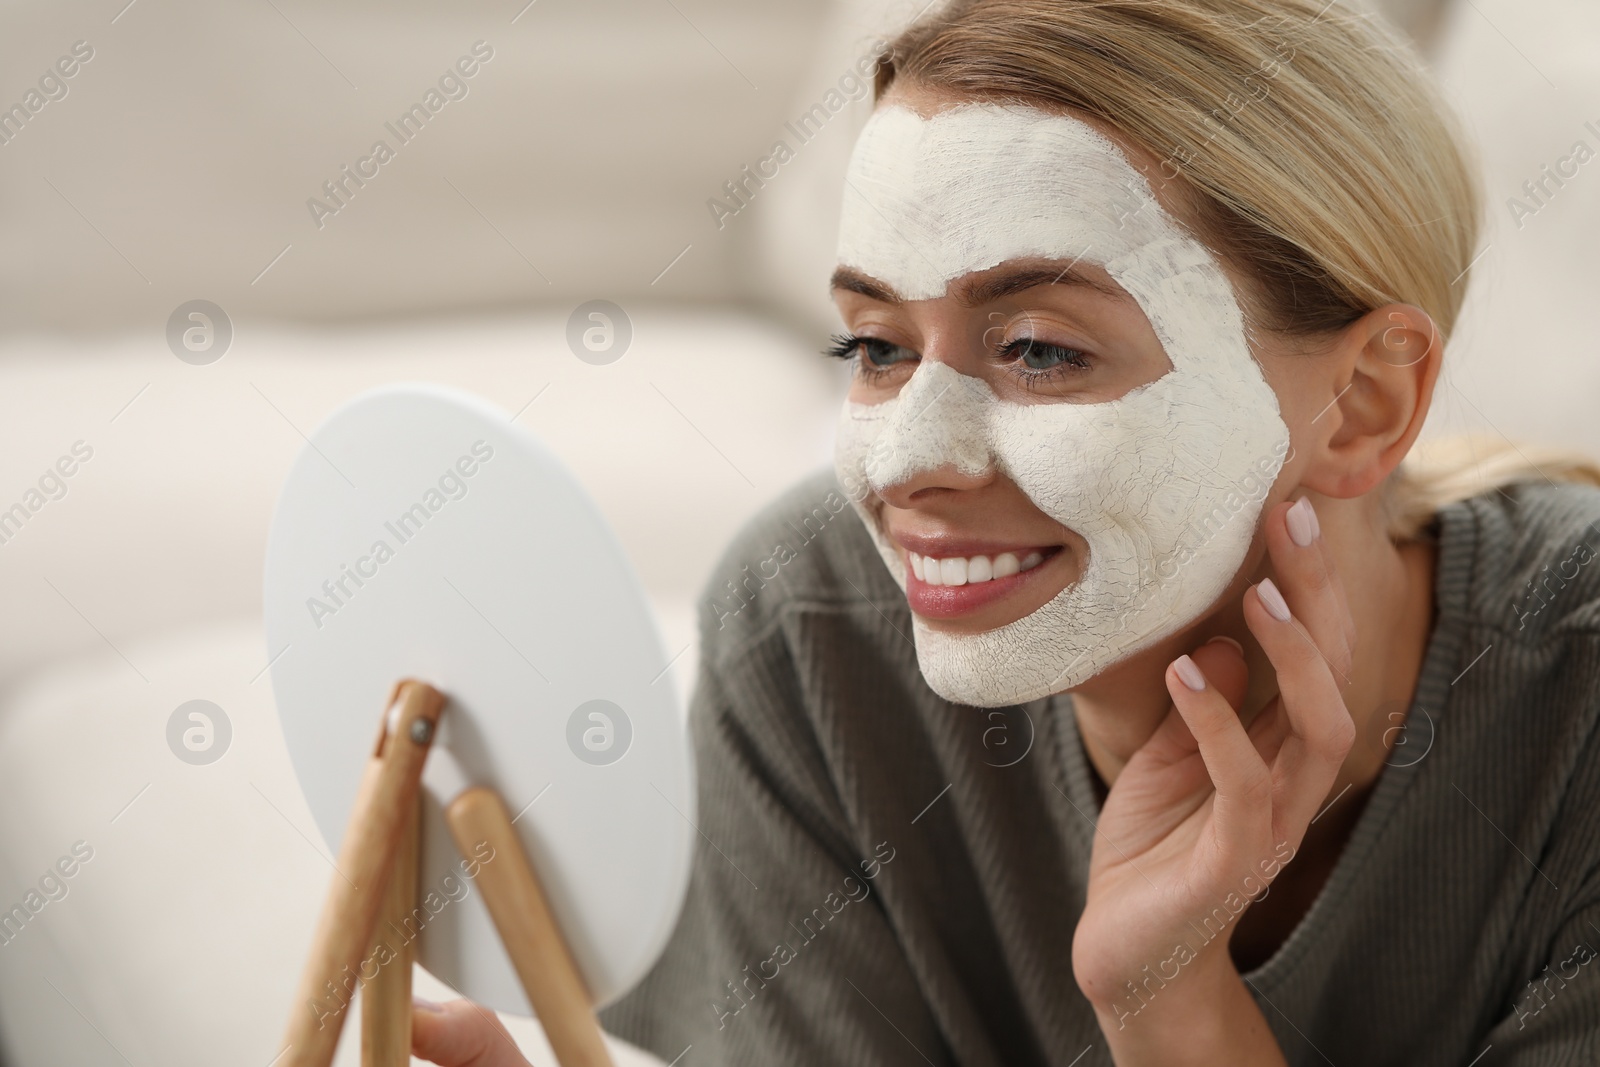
(1555, 1018)
(782, 953)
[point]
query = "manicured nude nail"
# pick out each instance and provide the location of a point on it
(1276, 605)
(1189, 674)
(423, 1004)
(1303, 525)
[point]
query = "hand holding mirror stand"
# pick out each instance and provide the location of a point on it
(376, 879)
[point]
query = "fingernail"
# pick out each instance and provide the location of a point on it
(1189, 674)
(423, 1004)
(1303, 525)
(1273, 599)
(1225, 639)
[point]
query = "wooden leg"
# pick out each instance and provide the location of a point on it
(386, 1000)
(386, 800)
(532, 940)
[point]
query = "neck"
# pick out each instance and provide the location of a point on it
(1389, 588)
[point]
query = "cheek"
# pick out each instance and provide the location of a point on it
(1077, 463)
(1298, 392)
(863, 392)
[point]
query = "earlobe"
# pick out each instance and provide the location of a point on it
(1388, 362)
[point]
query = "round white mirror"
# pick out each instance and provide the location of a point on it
(422, 534)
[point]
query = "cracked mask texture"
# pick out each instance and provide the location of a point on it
(1165, 483)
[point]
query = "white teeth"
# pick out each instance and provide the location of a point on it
(970, 570)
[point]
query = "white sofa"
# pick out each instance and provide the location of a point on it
(180, 940)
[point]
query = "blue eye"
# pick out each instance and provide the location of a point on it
(874, 352)
(1036, 360)
(1041, 357)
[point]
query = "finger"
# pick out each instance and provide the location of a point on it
(1243, 781)
(461, 1034)
(1268, 730)
(1339, 592)
(1221, 660)
(1310, 583)
(1320, 728)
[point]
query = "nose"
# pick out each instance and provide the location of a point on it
(937, 437)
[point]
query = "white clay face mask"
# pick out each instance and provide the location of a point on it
(1165, 483)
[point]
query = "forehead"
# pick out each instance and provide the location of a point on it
(974, 186)
(932, 197)
(928, 101)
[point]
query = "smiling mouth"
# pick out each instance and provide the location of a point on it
(943, 585)
(973, 570)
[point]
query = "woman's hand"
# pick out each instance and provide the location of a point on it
(1205, 814)
(461, 1034)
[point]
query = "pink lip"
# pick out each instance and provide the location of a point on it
(951, 601)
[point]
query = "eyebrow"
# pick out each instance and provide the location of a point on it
(974, 294)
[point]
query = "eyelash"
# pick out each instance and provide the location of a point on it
(849, 346)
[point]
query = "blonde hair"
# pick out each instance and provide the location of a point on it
(1316, 154)
(1455, 468)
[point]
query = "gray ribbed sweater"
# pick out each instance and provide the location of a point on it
(884, 877)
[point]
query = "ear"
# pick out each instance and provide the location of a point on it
(1384, 367)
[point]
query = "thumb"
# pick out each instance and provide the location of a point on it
(461, 1034)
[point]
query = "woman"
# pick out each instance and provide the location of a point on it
(1121, 698)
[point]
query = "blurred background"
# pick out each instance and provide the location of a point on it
(225, 154)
